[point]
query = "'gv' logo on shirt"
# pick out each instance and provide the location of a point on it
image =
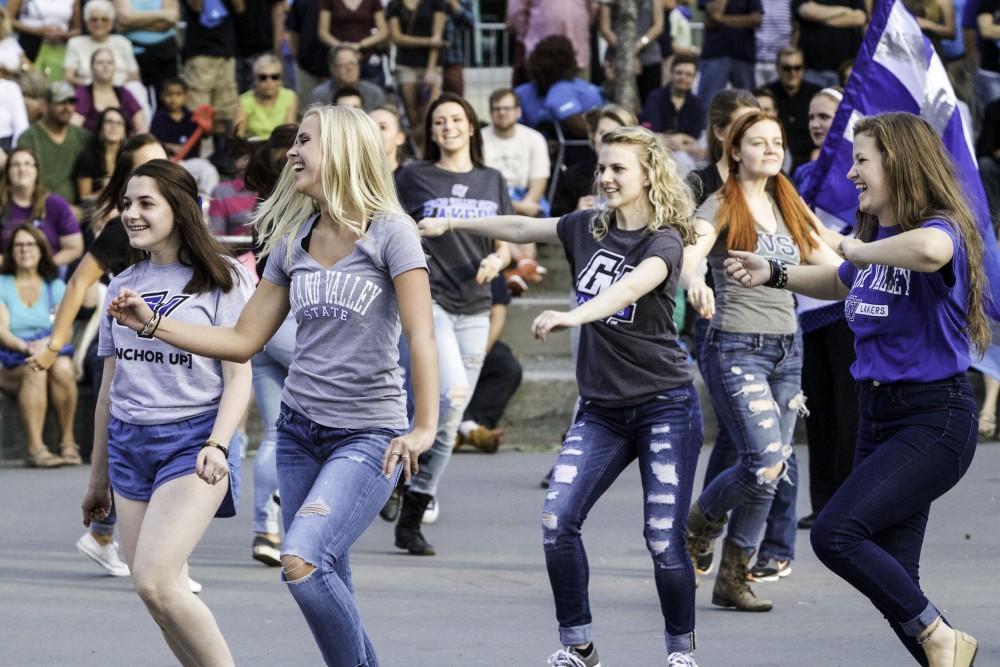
(603, 270)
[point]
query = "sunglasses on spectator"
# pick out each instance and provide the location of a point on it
(792, 68)
(269, 77)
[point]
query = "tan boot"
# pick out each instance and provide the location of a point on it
(731, 587)
(701, 534)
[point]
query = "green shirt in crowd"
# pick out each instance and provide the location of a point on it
(55, 161)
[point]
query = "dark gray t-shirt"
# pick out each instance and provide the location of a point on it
(741, 310)
(633, 355)
(345, 371)
(156, 383)
(427, 191)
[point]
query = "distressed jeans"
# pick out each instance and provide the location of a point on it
(755, 384)
(915, 442)
(780, 529)
(332, 487)
(665, 435)
(461, 341)
(270, 368)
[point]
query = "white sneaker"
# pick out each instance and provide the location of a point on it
(105, 555)
(194, 586)
(678, 659)
(432, 512)
(568, 657)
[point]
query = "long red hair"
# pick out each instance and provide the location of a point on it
(734, 215)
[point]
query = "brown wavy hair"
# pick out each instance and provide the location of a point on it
(552, 60)
(199, 249)
(47, 269)
(923, 185)
(734, 215)
(432, 152)
(720, 115)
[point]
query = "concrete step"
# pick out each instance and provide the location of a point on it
(517, 332)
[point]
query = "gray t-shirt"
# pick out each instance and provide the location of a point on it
(741, 310)
(427, 191)
(156, 383)
(345, 371)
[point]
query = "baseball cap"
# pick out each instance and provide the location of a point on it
(60, 91)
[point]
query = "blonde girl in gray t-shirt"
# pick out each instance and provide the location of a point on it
(752, 354)
(162, 414)
(348, 263)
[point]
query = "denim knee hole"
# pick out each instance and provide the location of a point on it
(292, 565)
(314, 508)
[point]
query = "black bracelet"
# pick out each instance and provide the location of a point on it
(218, 445)
(156, 324)
(779, 274)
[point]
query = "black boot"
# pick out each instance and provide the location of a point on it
(408, 534)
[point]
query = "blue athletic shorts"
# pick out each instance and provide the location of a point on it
(142, 457)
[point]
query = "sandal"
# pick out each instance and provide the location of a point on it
(71, 454)
(43, 458)
(987, 425)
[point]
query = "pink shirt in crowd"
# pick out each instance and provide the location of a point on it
(534, 20)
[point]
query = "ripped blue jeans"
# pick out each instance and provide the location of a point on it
(332, 487)
(755, 384)
(665, 434)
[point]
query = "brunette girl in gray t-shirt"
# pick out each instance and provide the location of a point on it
(163, 414)
(353, 275)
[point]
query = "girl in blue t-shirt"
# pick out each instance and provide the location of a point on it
(345, 259)
(639, 401)
(914, 285)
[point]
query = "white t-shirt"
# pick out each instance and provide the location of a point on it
(10, 54)
(13, 115)
(680, 29)
(40, 13)
(80, 49)
(521, 158)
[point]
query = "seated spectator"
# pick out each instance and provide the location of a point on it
(99, 17)
(728, 52)
(13, 115)
(393, 136)
(345, 70)
(988, 156)
(24, 200)
(102, 94)
(150, 26)
(676, 113)
(172, 123)
(30, 291)
(348, 97)
(498, 381)
(359, 25)
(829, 33)
(269, 104)
(417, 29)
(12, 58)
(554, 94)
(34, 89)
(232, 202)
(55, 142)
(792, 94)
(96, 163)
(518, 152)
(575, 187)
(43, 29)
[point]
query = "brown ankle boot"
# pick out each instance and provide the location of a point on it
(701, 534)
(731, 587)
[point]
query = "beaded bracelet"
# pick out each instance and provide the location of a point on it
(779, 274)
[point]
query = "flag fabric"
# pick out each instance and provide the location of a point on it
(897, 69)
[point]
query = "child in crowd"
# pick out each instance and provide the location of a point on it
(173, 122)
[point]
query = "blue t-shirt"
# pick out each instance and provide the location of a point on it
(908, 325)
(564, 99)
(28, 322)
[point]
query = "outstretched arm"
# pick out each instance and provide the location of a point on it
(260, 318)
(651, 272)
(925, 250)
(512, 228)
(819, 282)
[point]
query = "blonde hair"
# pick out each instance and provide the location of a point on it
(354, 172)
(667, 192)
(923, 185)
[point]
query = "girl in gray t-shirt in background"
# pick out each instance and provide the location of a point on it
(162, 414)
(351, 274)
